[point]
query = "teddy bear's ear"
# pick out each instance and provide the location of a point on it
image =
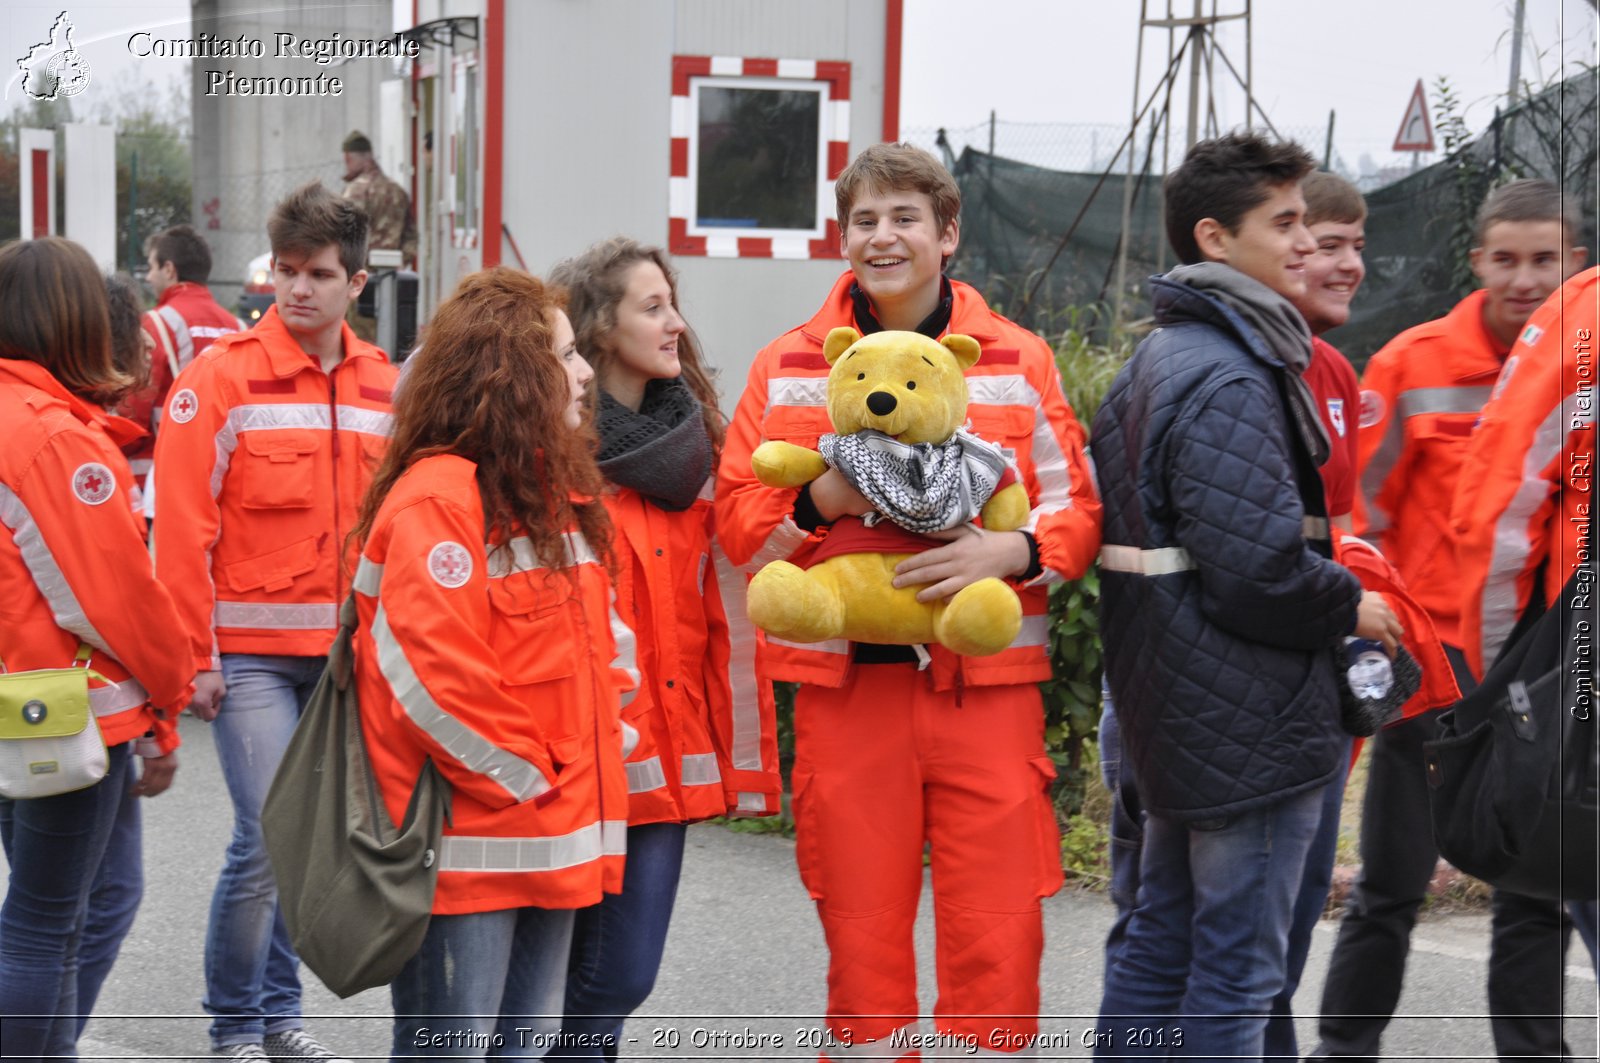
(965, 348)
(839, 340)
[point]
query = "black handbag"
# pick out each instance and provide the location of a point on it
(1512, 774)
(356, 892)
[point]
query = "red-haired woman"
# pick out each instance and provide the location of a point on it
(660, 434)
(75, 580)
(487, 642)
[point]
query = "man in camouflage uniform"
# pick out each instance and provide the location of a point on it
(388, 209)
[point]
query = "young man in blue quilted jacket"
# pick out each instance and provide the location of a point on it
(1221, 609)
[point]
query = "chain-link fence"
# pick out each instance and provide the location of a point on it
(234, 218)
(1078, 147)
(1043, 242)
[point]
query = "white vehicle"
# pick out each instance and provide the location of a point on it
(258, 293)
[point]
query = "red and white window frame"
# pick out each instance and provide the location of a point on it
(684, 237)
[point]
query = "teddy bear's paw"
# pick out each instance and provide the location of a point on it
(1007, 510)
(789, 603)
(780, 464)
(983, 618)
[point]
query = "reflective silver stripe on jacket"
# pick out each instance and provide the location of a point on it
(117, 697)
(182, 341)
(1511, 551)
(1460, 399)
(1163, 561)
(700, 769)
(518, 555)
(519, 778)
(276, 616)
(746, 695)
(839, 646)
(797, 391)
(1316, 528)
(752, 802)
(47, 575)
(627, 658)
(1010, 389)
(369, 577)
(645, 775)
(367, 422)
(458, 852)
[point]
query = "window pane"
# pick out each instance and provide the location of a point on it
(758, 158)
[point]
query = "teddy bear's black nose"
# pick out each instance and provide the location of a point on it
(880, 403)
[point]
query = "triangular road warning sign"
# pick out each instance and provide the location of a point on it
(1416, 131)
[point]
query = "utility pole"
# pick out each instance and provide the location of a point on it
(1515, 88)
(1197, 33)
(1199, 36)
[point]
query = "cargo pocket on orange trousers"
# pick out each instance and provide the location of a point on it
(279, 469)
(1050, 876)
(805, 844)
(275, 571)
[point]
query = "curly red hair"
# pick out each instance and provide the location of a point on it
(486, 385)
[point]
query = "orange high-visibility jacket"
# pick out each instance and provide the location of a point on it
(1421, 639)
(73, 567)
(1015, 401)
(1528, 480)
(185, 322)
(708, 740)
(264, 460)
(507, 673)
(1420, 397)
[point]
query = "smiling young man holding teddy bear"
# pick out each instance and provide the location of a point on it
(901, 747)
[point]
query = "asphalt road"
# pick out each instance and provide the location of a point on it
(745, 965)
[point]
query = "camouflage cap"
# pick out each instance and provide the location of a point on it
(357, 142)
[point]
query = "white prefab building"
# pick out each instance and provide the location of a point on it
(529, 129)
(252, 150)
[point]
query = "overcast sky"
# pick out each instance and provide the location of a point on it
(1051, 61)
(1072, 61)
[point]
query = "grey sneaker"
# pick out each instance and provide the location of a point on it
(293, 1046)
(245, 1052)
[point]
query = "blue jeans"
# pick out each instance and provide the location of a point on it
(1584, 918)
(114, 900)
(487, 985)
(1127, 828)
(1309, 904)
(1206, 945)
(55, 846)
(252, 977)
(617, 944)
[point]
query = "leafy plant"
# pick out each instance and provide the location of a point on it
(1072, 694)
(1471, 181)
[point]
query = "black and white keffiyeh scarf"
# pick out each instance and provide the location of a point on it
(923, 487)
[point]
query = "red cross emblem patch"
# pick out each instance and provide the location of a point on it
(450, 564)
(93, 483)
(1372, 409)
(183, 407)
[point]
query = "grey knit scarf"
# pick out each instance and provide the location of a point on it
(923, 487)
(662, 451)
(1277, 322)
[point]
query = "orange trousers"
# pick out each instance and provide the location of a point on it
(883, 767)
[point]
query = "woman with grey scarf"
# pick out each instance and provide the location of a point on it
(660, 431)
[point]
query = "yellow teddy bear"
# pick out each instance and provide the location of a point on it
(898, 401)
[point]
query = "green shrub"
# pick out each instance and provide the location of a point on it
(1072, 695)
